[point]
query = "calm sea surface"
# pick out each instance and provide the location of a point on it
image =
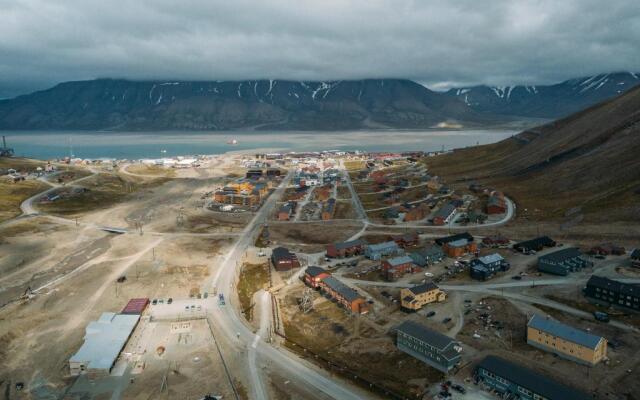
(136, 145)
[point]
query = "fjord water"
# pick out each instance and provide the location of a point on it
(137, 145)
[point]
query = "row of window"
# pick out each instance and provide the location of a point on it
(520, 389)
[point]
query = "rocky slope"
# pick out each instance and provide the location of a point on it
(552, 101)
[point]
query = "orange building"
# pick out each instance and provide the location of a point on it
(459, 248)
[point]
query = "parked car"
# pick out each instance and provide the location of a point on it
(154, 302)
(170, 300)
(446, 320)
(122, 279)
(516, 278)
(431, 314)
(601, 316)
(459, 388)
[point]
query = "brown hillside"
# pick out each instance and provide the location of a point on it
(585, 167)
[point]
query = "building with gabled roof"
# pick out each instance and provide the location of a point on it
(562, 262)
(313, 276)
(512, 380)
(344, 295)
(416, 297)
(483, 268)
(433, 348)
(395, 267)
(565, 341)
(379, 250)
(608, 292)
(346, 249)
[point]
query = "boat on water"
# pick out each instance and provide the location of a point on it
(232, 141)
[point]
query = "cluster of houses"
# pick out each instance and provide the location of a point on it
(322, 280)
(244, 192)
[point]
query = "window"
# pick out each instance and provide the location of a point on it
(525, 391)
(502, 380)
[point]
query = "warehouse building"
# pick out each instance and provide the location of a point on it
(517, 382)
(104, 339)
(444, 240)
(379, 250)
(608, 292)
(483, 268)
(346, 249)
(566, 341)
(283, 259)
(414, 298)
(536, 244)
(563, 261)
(433, 348)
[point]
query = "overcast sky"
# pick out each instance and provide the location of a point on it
(438, 43)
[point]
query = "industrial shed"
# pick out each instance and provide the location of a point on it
(563, 261)
(104, 339)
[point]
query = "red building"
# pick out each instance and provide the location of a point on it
(346, 249)
(313, 276)
(136, 306)
(496, 203)
(284, 260)
(406, 240)
(396, 267)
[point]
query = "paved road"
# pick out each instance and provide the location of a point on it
(234, 331)
(27, 206)
(354, 196)
(264, 307)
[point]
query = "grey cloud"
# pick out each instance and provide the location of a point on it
(439, 43)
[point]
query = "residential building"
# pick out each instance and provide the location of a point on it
(379, 250)
(433, 348)
(313, 276)
(563, 261)
(608, 292)
(514, 381)
(536, 244)
(635, 258)
(496, 203)
(396, 267)
(427, 256)
(459, 248)
(566, 341)
(495, 241)
(416, 213)
(283, 259)
(414, 298)
(406, 240)
(483, 268)
(445, 214)
(344, 295)
(443, 240)
(346, 249)
(104, 339)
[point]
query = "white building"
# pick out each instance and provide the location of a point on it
(104, 339)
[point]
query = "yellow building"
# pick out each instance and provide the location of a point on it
(565, 341)
(416, 297)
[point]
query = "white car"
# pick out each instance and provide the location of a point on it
(429, 274)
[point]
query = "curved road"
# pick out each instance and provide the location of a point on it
(236, 332)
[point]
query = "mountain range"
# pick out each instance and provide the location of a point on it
(118, 104)
(550, 101)
(585, 165)
(265, 104)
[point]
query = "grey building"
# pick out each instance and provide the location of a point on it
(379, 250)
(433, 348)
(608, 292)
(563, 261)
(483, 268)
(517, 382)
(427, 256)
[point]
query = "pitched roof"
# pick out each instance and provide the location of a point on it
(610, 284)
(400, 260)
(315, 271)
(382, 246)
(635, 254)
(447, 239)
(445, 211)
(531, 380)
(561, 255)
(282, 253)
(537, 242)
(345, 291)
(563, 331)
(425, 287)
(424, 334)
(458, 243)
(351, 243)
(491, 258)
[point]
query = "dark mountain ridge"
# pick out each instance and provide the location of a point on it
(213, 105)
(546, 101)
